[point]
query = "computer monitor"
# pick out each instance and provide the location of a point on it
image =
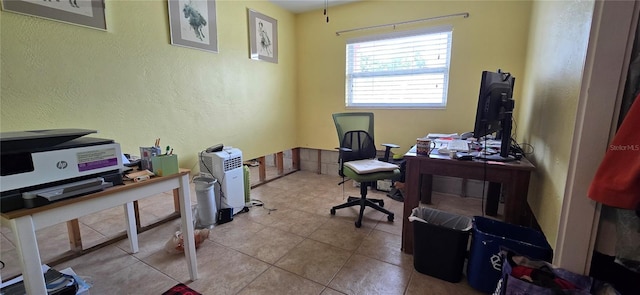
(495, 111)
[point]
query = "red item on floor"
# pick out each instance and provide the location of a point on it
(542, 278)
(181, 289)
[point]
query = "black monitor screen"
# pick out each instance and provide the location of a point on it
(496, 91)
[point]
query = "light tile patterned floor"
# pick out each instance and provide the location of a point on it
(298, 248)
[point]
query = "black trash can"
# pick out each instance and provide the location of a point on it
(484, 267)
(439, 243)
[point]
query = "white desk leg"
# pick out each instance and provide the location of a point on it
(28, 253)
(132, 232)
(187, 227)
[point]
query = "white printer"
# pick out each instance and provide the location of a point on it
(41, 166)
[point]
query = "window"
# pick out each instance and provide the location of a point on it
(399, 70)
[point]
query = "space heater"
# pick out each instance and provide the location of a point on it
(226, 167)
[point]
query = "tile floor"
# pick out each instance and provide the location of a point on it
(291, 245)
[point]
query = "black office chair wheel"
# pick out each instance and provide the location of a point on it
(333, 211)
(358, 224)
(390, 217)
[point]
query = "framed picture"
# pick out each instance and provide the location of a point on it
(263, 37)
(193, 24)
(88, 13)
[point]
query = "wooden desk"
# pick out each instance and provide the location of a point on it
(25, 222)
(514, 177)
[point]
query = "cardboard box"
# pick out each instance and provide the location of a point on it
(384, 185)
(164, 165)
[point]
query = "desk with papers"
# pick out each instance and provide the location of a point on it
(512, 176)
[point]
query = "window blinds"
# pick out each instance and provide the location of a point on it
(403, 69)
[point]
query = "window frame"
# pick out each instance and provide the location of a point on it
(445, 70)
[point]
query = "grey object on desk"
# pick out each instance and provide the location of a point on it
(51, 194)
(464, 157)
(466, 135)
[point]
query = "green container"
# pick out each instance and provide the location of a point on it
(247, 185)
(164, 165)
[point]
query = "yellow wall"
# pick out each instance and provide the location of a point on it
(494, 36)
(131, 85)
(557, 50)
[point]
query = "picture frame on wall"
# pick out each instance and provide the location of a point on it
(263, 37)
(87, 13)
(192, 24)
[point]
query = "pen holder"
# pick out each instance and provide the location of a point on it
(164, 165)
(146, 153)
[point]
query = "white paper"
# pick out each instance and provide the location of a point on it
(440, 135)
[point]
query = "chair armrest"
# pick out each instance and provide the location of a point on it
(341, 151)
(387, 151)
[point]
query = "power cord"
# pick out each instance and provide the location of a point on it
(260, 203)
(484, 181)
(516, 150)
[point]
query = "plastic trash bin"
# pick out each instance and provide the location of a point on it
(207, 208)
(439, 243)
(484, 267)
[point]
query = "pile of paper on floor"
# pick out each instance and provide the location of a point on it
(16, 286)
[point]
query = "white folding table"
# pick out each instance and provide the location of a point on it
(25, 222)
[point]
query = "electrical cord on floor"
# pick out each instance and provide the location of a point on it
(344, 180)
(342, 183)
(260, 203)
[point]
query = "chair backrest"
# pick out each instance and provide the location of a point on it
(353, 121)
(361, 145)
(355, 131)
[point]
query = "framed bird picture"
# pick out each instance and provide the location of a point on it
(263, 37)
(193, 24)
(87, 13)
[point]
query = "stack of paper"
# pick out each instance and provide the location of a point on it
(458, 145)
(443, 135)
(16, 283)
(370, 166)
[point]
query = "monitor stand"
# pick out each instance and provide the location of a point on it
(504, 135)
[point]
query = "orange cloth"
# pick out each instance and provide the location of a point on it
(617, 181)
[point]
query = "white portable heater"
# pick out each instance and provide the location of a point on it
(226, 167)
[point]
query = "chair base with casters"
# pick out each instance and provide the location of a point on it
(366, 180)
(364, 202)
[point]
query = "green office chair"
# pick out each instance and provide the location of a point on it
(358, 160)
